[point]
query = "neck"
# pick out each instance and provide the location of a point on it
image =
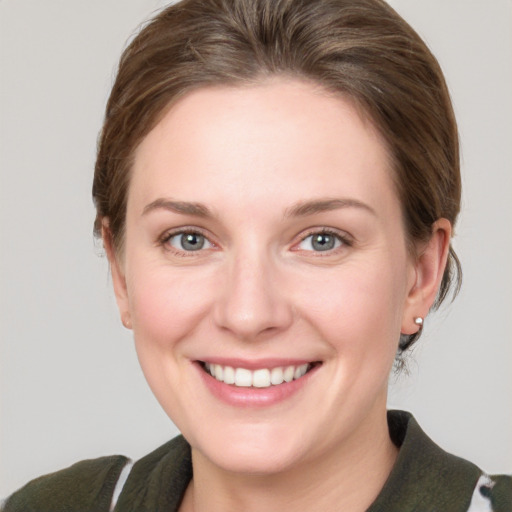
(349, 477)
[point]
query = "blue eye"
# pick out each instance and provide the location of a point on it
(189, 241)
(320, 242)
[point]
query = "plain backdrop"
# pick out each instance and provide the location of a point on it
(70, 383)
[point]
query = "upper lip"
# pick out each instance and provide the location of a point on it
(255, 364)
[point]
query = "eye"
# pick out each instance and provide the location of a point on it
(321, 242)
(188, 241)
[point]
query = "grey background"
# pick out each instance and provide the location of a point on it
(70, 383)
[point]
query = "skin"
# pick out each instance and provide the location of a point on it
(258, 289)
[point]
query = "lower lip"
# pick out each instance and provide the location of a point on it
(251, 396)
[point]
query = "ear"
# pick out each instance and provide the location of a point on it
(428, 273)
(118, 276)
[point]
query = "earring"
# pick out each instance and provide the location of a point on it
(419, 322)
(126, 320)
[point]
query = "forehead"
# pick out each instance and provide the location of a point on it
(281, 139)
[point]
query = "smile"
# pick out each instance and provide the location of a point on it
(259, 378)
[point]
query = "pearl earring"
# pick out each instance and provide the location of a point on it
(419, 322)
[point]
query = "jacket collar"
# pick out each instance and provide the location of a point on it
(424, 479)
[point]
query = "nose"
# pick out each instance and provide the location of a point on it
(253, 301)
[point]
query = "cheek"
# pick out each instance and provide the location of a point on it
(167, 304)
(167, 307)
(358, 309)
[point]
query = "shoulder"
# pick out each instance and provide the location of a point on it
(492, 493)
(155, 482)
(85, 486)
(425, 477)
(158, 481)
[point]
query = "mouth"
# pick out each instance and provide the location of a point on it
(260, 377)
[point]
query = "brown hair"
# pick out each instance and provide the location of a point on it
(361, 48)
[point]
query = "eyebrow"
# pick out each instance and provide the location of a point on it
(300, 209)
(305, 208)
(182, 207)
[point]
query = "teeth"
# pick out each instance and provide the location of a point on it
(276, 376)
(243, 378)
(300, 371)
(229, 375)
(261, 378)
(288, 373)
(219, 372)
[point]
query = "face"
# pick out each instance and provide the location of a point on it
(264, 239)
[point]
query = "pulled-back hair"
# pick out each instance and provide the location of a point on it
(360, 48)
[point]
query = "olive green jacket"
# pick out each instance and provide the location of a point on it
(424, 479)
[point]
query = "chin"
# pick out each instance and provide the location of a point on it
(253, 462)
(255, 451)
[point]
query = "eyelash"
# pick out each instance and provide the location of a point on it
(344, 239)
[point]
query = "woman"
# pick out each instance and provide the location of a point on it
(276, 187)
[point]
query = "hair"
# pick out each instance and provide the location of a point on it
(360, 48)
